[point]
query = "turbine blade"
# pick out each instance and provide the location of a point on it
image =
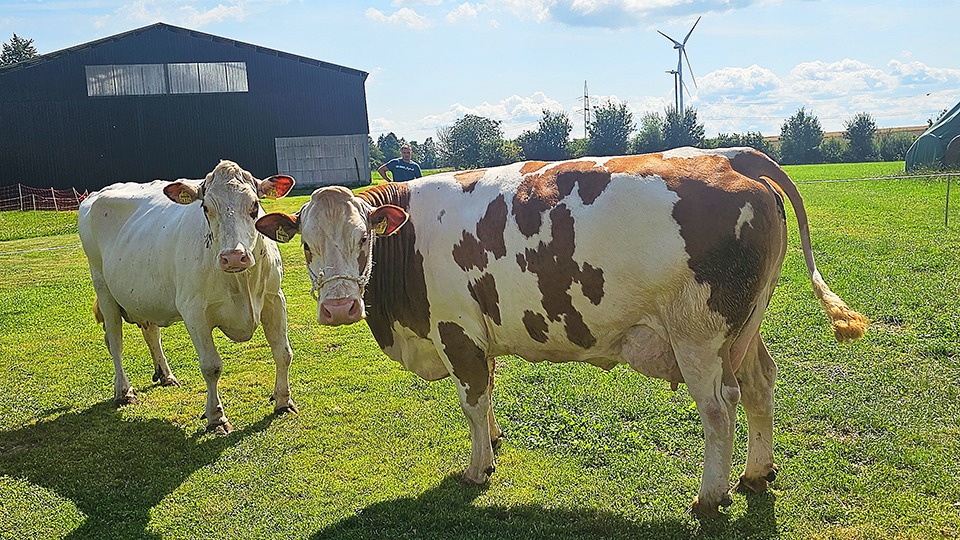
(691, 30)
(676, 44)
(690, 68)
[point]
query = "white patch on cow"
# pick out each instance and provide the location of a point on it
(416, 354)
(746, 216)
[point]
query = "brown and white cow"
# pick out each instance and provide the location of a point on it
(665, 262)
(156, 258)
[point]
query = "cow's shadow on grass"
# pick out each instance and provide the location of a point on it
(447, 511)
(114, 470)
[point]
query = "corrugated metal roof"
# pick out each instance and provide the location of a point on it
(192, 33)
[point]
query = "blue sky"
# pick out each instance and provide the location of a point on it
(756, 62)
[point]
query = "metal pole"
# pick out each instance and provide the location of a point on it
(20, 195)
(54, 195)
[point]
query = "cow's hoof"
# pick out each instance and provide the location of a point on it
(167, 381)
(290, 408)
(478, 478)
(756, 485)
(222, 428)
(129, 398)
(709, 511)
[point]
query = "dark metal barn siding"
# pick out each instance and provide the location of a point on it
(53, 134)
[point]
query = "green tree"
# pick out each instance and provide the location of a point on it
(610, 129)
(550, 141)
(894, 146)
(834, 150)
(682, 130)
(650, 135)
(472, 141)
(751, 139)
(376, 155)
(389, 144)
(17, 50)
(428, 154)
(579, 148)
(860, 131)
(800, 138)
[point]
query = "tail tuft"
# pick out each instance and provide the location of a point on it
(848, 325)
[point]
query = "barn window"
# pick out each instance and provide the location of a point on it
(152, 79)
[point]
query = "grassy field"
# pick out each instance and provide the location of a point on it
(867, 434)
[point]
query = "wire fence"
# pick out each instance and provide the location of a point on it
(26, 198)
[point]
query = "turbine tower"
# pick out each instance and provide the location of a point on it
(678, 85)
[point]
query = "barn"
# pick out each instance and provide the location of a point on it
(167, 102)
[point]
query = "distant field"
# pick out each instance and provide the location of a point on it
(867, 434)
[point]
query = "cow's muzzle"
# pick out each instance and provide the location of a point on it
(236, 260)
(340, 311)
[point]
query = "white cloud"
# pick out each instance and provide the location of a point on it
(196, 18)
(403, 16)
(738, 81)
(464, 11)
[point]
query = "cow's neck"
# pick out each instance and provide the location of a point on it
(397, 290)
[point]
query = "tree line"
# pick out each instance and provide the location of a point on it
(474, 141)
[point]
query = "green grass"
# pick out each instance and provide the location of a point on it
(866, 434)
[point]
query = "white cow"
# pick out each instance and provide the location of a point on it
(156, 258)
(665, 262)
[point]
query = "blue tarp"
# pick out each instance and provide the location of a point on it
(928, 150)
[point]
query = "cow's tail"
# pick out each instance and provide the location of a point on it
(847, 323)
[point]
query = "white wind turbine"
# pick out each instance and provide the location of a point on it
(678, 85)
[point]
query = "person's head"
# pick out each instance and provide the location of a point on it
(406, 153)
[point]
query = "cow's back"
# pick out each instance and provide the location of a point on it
(135, 239)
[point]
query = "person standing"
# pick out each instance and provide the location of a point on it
(403, 167)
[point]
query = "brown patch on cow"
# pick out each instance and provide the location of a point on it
(533, 166)
(756, 165)
(484, 292)
(397, 291)
(536, 326)
(468, 361)
(591, 283)
(712, 196)
(468, 179)
(522, 262)
(491, 227)
(556, 272)
(538, 193)
(468, 253)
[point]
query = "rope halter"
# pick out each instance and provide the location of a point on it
(318, 281)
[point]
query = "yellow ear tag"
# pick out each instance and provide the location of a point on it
(271, 193)
(381, 227)
(282, 235)
(185, 197)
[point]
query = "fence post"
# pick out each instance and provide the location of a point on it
(76, 197)
(946, 207)
(20, 195)
(54, 195)
(34, 199)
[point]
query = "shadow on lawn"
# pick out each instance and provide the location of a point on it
(114, 470)
(447, 511)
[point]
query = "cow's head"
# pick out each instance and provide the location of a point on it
(230, 200)
(337, 231)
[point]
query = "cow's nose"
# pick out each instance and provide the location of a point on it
(340, 311)
(235, 261)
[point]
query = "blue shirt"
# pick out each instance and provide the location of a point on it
(403, 170)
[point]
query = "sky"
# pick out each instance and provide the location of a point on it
(754, 63)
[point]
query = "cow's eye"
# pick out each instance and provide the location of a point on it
(363, 240)
(205, 209)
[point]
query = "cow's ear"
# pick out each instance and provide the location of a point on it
(182, 192)
(387, 219)
(278, 226)
(276, 186)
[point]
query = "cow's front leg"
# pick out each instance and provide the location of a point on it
(274, 320)
(161, 370)
(757, 375)
(211, 365)
(715, 390)
(472, 373)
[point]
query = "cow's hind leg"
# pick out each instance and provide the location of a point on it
(714, 388)
(161, 370)
(107, 310)
(274, 319)
(757, 375)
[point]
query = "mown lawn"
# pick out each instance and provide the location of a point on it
(867, 434)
